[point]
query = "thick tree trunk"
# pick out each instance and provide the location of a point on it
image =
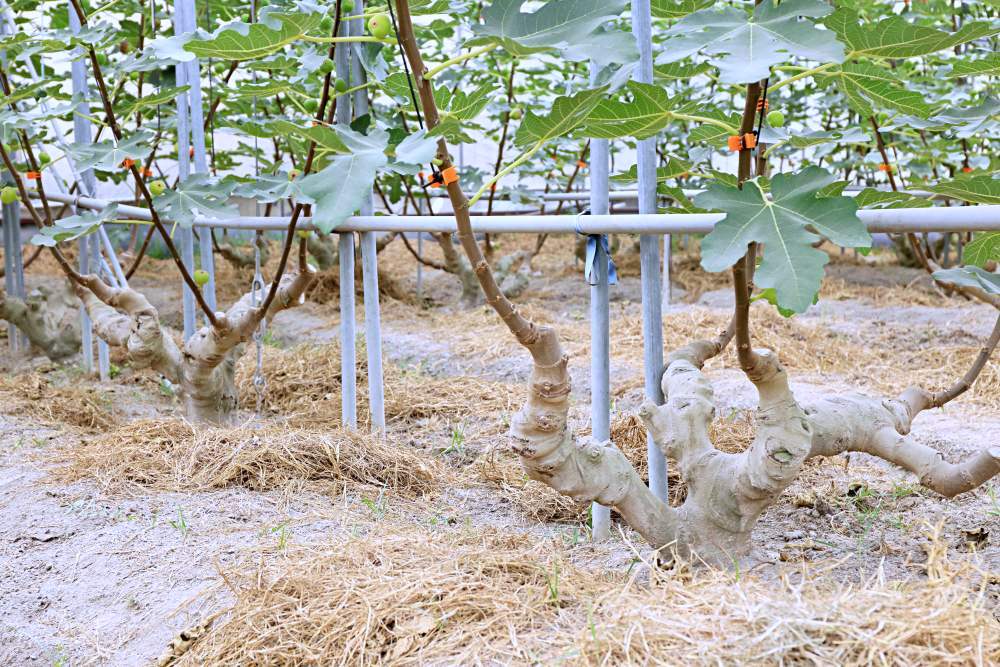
(49, 317)
(204, 368)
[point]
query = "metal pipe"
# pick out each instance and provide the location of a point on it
(345, 249)
(978, 218)
(185, 235)
(369, 262)
(206, 259)
(348, 355)
(600, 331)
(11, 219)
(649, 254)
(87, 180)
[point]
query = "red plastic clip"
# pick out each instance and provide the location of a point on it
(34, 175)
(967, 170)
(744, 143)
(762, 105)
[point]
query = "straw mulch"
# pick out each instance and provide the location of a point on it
(538, 502)
(173, 455)
(304, 385)
(406, 596)
(33, 395)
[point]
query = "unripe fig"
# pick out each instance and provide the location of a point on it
(776, 119)
(8, 195)
(379, 26)
(201, 277)
(157, 188)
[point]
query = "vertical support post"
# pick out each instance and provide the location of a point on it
(87, 327)
(345, 248)
(197, 122)
(600, 332)
(649, 253)
(11, 250)
(369, 260)
(185, 236)
(90, 251)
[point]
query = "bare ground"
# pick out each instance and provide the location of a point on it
(95, 577)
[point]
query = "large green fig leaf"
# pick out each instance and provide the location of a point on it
(982, 189)
(864, 84)
(896, 37)
(554, 25)
(971, 276)
(744, 48)
(787, 225)
(339, 189)
(675, 168)
(268, 188)
(74, 227)
(245, 41)
(109, 156)
(649, 112)
(985, 247)
(675, 9)
(567, 113)
(967, 122)
(988, 66)
(199, 194)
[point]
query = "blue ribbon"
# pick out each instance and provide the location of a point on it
(588, 270)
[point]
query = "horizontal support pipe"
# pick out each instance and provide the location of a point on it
(896, 220)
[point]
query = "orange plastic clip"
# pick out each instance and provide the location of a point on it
(493, 187)
(34, 175)
(581, 164)
(885, 167)
(744, 143)
(127, 163)
(967, 170)
(449, 175)
(191, 151)
(147, 172)
(420, 175)
(762, 105)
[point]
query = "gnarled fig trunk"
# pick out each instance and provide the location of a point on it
(49, 317)
(204, 368)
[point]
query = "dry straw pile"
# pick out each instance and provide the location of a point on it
(412, 597)
(304, 385)
(172, 455)
(76, 405)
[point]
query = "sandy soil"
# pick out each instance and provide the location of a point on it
(92, 577)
